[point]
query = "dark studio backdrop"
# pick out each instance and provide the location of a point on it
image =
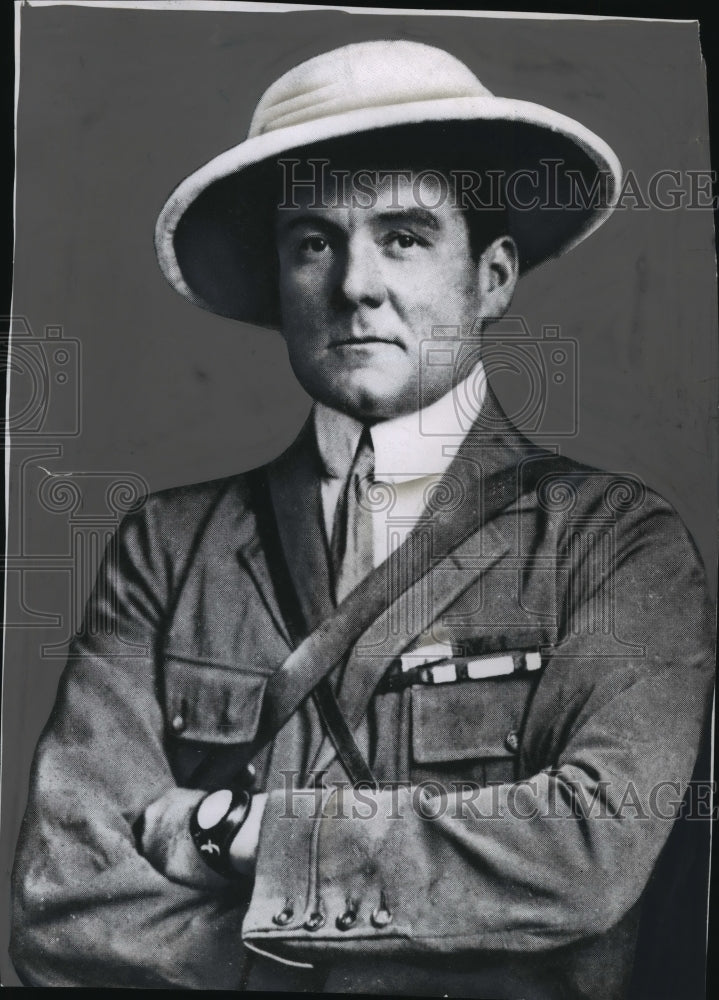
(119, 385)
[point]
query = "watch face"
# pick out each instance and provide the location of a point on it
(214, 808)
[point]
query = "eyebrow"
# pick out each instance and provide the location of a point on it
(400, 217)
(288, 223)
(416, 216)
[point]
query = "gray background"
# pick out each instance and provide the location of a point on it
(117, 106)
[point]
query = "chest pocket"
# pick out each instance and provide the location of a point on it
(211, 711)
(212, 704)
(471, 730)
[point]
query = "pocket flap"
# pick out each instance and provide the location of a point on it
(469, 720)
(212, 704)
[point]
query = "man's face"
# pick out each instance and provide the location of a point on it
(361, 289)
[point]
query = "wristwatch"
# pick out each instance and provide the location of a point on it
(214, 824)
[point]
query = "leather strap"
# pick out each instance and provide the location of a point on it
(330, 713)
(350, 756)
(326, 647)
(316, 655)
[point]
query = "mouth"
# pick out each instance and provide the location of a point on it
(364, 341)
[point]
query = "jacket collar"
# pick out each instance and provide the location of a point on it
(413, 445)
(454, 510)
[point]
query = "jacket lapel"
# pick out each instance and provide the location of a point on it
(456, 539)
(291, 561)
(439, 555)
(294, 481)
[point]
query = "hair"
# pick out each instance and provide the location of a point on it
(485, 225)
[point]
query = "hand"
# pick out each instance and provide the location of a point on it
(243, 849)
(166, 841)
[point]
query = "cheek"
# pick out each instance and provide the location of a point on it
(302, 296)
(433, 310)
(436, 284)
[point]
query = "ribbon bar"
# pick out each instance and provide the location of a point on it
(459, 669)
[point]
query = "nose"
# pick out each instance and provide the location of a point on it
(362, 280)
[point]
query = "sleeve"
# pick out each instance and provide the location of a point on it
(88, 908)
(608, 747)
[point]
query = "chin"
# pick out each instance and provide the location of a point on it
(369, 406)
(363, 394)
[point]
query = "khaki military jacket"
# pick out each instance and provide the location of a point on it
(501, 881)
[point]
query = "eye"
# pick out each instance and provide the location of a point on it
(403, 241)
(313, 244)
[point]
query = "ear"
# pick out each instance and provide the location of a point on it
(498, 272)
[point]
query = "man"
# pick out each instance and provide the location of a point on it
(398, 712)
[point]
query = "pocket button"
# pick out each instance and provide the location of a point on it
(511, 741)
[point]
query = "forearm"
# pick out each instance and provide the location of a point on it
(127, 927)
(513, 867)
(90, 910)
(97, 900)
(557, 858)
(89, 907)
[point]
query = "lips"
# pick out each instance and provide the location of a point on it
(364, 341)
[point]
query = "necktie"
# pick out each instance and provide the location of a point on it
(352, 545)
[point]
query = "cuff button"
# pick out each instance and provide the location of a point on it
(315, 921)
(283, 917)
(347, 920)
(381, 917)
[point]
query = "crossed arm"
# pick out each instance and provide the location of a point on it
(96, 903)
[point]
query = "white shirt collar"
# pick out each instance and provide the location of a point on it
(417, 444)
